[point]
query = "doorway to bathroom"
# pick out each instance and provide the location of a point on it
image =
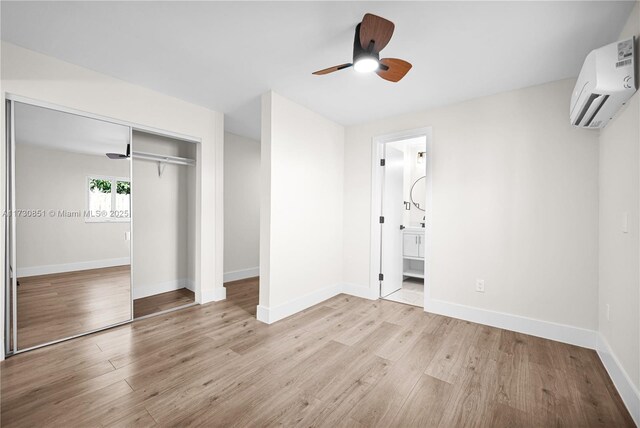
(402, 193)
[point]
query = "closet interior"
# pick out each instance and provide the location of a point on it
(164, 221)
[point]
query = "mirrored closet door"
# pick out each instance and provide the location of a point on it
(69, 231)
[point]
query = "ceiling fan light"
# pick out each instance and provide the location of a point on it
(366, 65)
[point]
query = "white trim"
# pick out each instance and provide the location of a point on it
(146, 290)
(621, 379)
(360, 291)
(131, 237)
(269, 315)
(134, 126)
(545, 329)
(71, 267)
(236, 275)
(215, 295)
(262, 314)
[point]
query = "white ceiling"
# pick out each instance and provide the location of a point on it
(224, 55)
(55, 130)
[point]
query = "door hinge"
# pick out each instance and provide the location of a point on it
(381, 219)
(382, 162)
(380, 277)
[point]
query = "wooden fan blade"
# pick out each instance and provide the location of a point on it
(393, 69)
(377, 30)
(332, 69)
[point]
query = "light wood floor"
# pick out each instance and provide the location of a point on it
(345, 362)
(162, 302)
(61, 305)
(244, 294)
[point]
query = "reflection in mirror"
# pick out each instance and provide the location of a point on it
(72, 224)
(419, 193)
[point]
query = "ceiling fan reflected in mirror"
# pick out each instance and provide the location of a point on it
(120, 155)
(372, 35)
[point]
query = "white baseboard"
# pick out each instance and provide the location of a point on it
(72, 267)
(546, 329)
(360, 291)
(622, 381)
(190, 284)
(272, 314)
(215, 295)
(241, 274)
(140, 291)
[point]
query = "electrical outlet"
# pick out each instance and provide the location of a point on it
(607, 309)
(480, 285)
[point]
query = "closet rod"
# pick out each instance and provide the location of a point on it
(163, 158)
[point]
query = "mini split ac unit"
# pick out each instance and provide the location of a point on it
(606, 82)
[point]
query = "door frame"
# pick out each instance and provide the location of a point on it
(377, 181)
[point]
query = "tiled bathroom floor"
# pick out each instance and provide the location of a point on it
(411, 293)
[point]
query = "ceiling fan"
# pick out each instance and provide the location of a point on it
(372, 35)
(120, 155)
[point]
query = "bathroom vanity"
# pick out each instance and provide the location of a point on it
(413, 252)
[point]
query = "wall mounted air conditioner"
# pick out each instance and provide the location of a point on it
(606, 82)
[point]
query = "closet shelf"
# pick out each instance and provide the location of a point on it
(176, 160)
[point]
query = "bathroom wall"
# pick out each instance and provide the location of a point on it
(412, 171)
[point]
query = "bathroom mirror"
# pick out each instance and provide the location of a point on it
(418, 192)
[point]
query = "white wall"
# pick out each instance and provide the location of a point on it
(40, 77)
(619, 286)
(301, 208)
(241, 207)
(57, 180)
(515, 197)
(163, 211)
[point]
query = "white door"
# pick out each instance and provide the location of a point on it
(392, 208)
